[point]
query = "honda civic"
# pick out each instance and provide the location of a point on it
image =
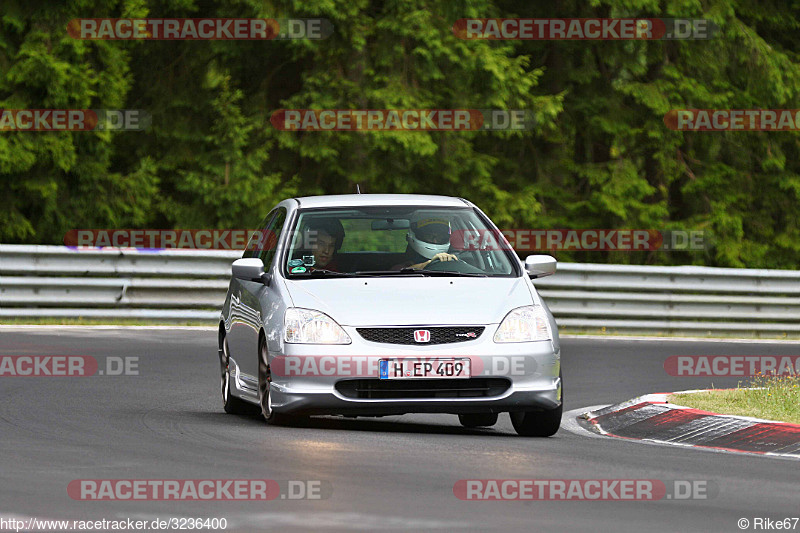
(375, 305)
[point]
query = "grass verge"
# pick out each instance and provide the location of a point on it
(763, 396)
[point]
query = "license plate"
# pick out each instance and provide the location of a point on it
(411, 368)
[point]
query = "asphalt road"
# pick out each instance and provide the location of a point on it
(393, 473)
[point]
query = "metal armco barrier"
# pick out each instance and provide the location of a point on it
(685, 299)
(190, 285)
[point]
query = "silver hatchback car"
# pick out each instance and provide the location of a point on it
(374, 305)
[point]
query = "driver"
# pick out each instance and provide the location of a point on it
(428, 240)
(325, 237)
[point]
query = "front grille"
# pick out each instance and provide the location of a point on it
(422, 388)
(439, 335)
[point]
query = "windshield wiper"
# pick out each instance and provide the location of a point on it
(404, 272)
(324, 272)
(451, 273)
(418, 272)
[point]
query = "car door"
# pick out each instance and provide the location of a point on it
(240, 316)
(255, 299)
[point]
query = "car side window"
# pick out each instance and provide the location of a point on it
(272, 233)
(253, 249)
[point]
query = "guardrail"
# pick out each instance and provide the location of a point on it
(190, 285)
(56, 281)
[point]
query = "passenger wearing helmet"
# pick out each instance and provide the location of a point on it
(428, 240)
(325, 237)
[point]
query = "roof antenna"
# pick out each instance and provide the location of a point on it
(358, 189)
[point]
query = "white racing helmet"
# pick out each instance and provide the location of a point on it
(429, 236)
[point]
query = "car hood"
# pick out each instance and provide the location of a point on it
(409, 301)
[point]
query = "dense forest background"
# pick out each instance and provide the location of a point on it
(600, 156)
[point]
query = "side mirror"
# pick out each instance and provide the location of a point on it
(250, 269)
(539, 266)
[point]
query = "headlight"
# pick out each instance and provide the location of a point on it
(524, 324)
(306, 326)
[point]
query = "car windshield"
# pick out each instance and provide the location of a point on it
(396, 241)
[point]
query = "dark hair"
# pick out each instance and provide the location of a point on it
(331, 226)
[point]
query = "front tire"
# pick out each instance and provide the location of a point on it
(265, 390)
(537, 423)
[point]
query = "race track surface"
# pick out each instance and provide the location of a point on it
(393, 473)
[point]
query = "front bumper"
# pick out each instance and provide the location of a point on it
(316, 403)
(532, 372)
